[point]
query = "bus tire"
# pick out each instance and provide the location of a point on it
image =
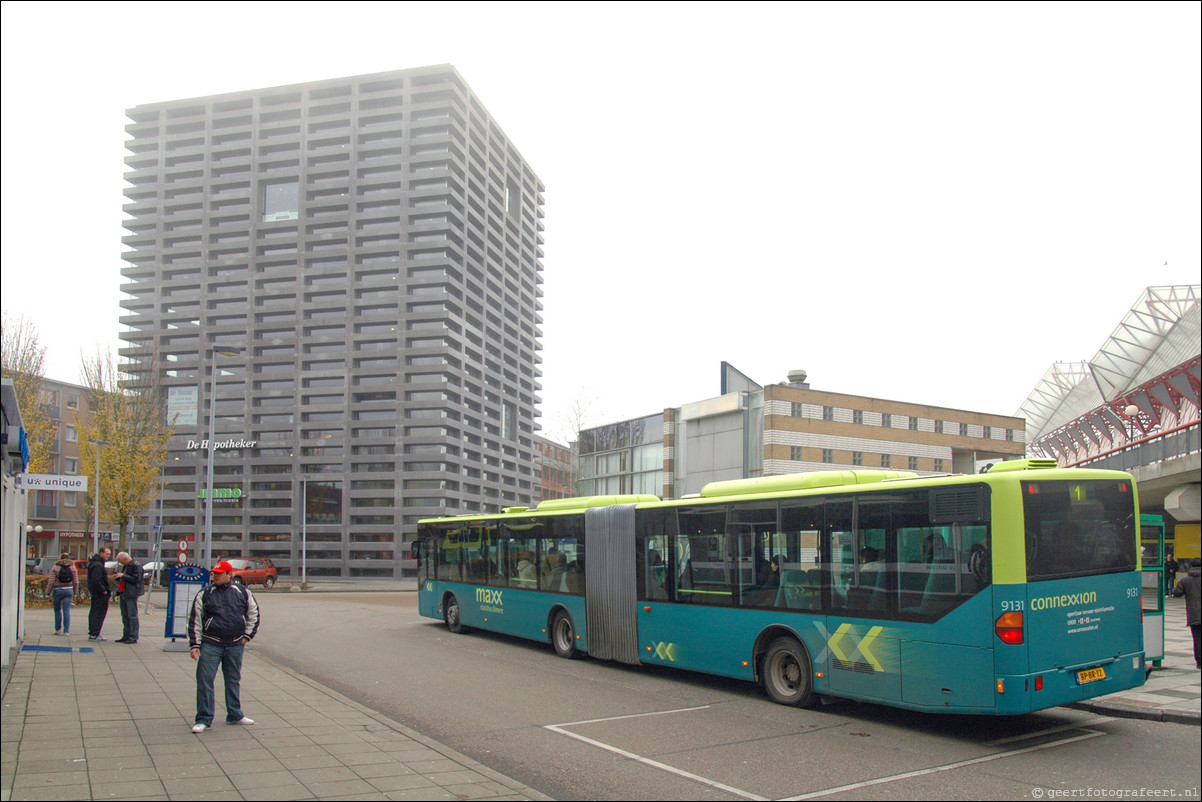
(787, 677)
(563, 635)
(450, 614)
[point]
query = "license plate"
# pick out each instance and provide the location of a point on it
(1090, 675)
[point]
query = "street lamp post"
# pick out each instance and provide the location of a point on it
(96, 504)
(223, 350)
(1131, 411)
(304, 532)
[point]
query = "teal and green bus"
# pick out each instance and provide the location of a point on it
(1004, 592)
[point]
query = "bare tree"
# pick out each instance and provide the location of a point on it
(571, 423)
(129, 412)
(24, 360)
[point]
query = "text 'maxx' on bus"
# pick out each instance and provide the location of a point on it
(998, 593)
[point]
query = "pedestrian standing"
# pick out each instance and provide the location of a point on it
(1190, 586)
(223, 619)
(61, 587)
(98, 587)
(129, 588)
(1170, 572)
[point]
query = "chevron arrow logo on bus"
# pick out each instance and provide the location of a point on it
(842, 637)
(665, 651)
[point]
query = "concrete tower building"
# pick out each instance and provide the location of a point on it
(373, 246)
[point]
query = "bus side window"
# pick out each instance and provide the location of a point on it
(839, 560)
(552, 567)
(980, 556)
(866, 561)
(507, 562)
(912, 567)
(447, 567)
(656, 569)
(706, 562)
(475, 565)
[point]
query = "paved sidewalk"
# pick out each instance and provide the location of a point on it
(91, 720)
(102, 720)
(1174, 691)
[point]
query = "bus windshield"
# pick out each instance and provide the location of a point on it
(1078, 528)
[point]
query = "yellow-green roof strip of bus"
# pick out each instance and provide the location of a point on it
(799, 481)
(584, 502)
(1024, 465)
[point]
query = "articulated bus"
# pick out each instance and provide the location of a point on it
(1001, 593)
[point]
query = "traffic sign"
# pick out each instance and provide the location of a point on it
(183, 557)
(183, 545)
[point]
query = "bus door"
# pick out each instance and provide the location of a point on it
(692, 620)
(1152, 557)
(862, 657)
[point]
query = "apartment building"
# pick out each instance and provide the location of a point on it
(555, 472)
(342, 280)
(62, 520)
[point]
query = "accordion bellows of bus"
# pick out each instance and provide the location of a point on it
(1004, 592)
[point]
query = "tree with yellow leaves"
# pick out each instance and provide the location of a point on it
(129, 412)
(24, 360)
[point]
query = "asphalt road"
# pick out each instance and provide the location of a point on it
(585, 729)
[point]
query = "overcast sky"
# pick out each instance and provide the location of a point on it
(922, 202)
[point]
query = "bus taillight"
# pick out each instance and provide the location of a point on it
(1009, 627)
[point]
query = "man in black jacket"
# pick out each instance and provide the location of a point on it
(223, 619)
(98, 587)
(1190, 586)
(129, 588)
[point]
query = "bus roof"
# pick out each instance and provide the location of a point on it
(800, 481)
(775, 487)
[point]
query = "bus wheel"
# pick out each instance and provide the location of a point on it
(450, 614)
(563, 635)
(787, 677)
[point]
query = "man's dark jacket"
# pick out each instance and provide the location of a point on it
(131, 584)
(223, 614)
(98, 580)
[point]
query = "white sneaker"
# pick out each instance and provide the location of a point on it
(199, 727)
(244, 721)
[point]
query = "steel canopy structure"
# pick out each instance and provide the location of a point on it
(1144, 380)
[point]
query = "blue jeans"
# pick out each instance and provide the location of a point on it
(229, 658)
(62, 608)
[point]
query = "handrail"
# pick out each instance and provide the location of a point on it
(1127, 447)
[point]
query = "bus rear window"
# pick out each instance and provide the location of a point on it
(1079, 528)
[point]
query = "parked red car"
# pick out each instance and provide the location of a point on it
(253, 570)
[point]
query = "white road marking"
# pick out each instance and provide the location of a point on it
(559, 728)
(935, 769)
(1064, 727)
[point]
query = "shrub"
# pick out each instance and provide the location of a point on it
(35, 591)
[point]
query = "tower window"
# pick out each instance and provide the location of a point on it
(281, 201)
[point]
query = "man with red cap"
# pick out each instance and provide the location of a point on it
(224, 618)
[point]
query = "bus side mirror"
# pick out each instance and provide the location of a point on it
(415, 548)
